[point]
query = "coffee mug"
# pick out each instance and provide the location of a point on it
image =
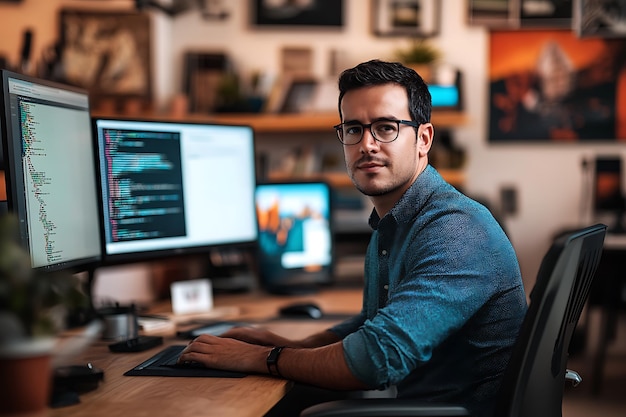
(120, 323)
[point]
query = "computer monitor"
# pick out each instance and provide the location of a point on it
(171, 188)
(50, 169)
(608, 193)
(295, 236)
(447, 95)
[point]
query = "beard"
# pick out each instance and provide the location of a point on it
(370, 187)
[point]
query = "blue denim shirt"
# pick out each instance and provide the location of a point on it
(443, 300)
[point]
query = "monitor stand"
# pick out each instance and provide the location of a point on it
(81, 316)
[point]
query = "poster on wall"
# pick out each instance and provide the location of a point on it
(551, 86)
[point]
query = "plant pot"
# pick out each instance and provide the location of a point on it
(424, 70)
(25, 376)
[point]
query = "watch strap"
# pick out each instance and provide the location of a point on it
(272, 361)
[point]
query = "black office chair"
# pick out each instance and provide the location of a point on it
(534, 380)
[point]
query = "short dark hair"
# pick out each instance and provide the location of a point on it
(377, 72)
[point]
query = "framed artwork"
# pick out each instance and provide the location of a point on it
(415, 18)
(309, 13)
(546, 13)
(511, 14)
(296, 61)
(299, 95)
(600, 18)
(204, 72)
(107, 52)
(493, 13)
(551, 86)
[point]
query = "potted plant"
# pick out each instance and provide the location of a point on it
(32, 312)
(419, 55)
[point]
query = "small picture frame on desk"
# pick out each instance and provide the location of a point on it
(416, 18)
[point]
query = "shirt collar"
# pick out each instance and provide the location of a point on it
(413, 199)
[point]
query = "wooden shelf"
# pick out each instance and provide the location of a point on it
(276, 123)
(315, 122)
(301, 122)
(341, 179)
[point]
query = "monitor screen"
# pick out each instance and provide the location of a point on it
(295, 235)
(445, 96)
(446, 91)
(50, 171)
(174, 188)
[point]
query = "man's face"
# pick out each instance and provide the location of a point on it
(384, 169)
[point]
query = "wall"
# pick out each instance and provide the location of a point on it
(548, 178)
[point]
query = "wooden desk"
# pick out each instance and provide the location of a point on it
(253, 395)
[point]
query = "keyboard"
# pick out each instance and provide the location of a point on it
(164, 363)
(216, 328)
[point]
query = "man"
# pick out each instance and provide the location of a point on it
(443, 297)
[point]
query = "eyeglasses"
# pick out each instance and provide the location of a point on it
(383, 130)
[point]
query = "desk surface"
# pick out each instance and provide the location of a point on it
(253, 395)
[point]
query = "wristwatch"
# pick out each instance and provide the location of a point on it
(272, 361)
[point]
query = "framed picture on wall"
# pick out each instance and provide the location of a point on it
(512, 14)
(493, 13)
(551, 86)
(546, 13)
(600, 18)
(416, 18)
(107, 52)
(296, 61)
(311, 13)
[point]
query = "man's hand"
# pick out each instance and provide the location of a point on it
(226, 353)
(323, 366)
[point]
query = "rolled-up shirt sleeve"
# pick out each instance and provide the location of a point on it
(348, 326)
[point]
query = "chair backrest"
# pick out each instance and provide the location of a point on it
(534, 380)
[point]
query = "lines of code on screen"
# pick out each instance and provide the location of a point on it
(60, 201)
(145, 185)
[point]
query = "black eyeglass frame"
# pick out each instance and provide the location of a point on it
(369, 126)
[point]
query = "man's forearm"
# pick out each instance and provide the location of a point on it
(319, 339)
(324, 367)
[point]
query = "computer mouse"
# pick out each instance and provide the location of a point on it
(301, 310)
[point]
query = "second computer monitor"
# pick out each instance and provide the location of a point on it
(295, 236)
(50, 171)
(171, 188)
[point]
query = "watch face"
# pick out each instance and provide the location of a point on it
(272, 361)
(274, 353)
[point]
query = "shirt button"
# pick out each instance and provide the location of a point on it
(386, 287)
(383, 252)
